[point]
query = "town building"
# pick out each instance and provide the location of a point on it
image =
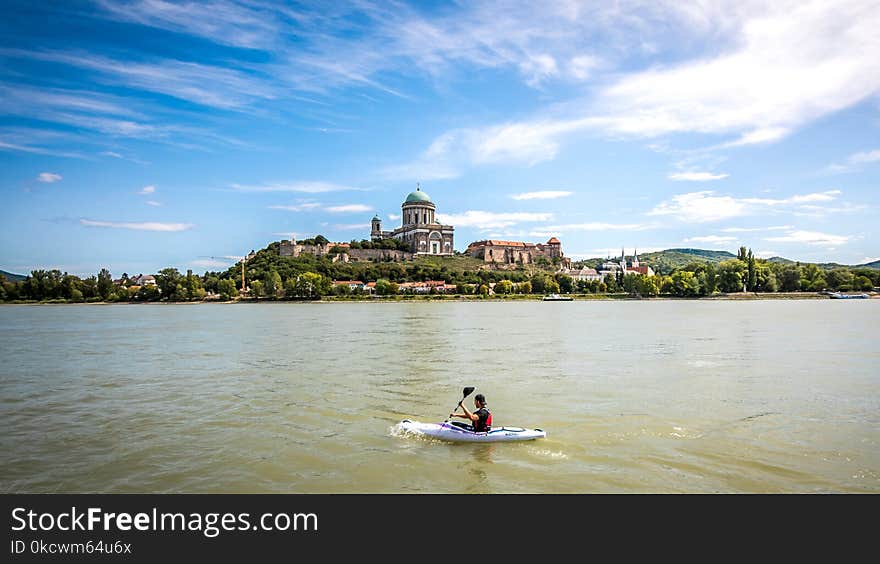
(518, 252)
(613, 268)
(419, 227)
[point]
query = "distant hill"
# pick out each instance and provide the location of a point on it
(666, 261)
(10, 277)
(670, 259)
(828, 265)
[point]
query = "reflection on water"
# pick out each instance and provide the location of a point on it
(665, 396)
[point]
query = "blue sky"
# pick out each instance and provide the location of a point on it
(145, 134)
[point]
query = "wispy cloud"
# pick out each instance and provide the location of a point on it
(300, 186)
(854, 162)
(706, 206)
(209, 263)
(715, 239)
(491, 220)
(542, 195)
(349, 208)
(143, 226)
(48, 177)
(146, 190)
(696, 176)
(306, 206)
(812, 238)
(778, 68)
(220, 87)
(754, 229)
(229, 23)
(153, 203)
(589, 226)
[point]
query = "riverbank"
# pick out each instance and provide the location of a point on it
(744, 296)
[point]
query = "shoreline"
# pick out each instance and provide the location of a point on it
(748, 296)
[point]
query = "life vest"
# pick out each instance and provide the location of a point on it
(483, 424)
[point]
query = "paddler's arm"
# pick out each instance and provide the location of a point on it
(466, 415)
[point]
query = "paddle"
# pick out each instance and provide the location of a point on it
(465, 393)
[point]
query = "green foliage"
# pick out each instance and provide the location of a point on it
(684, 283)
(731, 275)
(227, 289)
(503, 287)
(167, 280)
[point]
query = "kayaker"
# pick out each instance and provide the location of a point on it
(481, 418)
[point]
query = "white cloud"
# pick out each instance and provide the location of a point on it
(706, 206)
(582, 66)
(594, 226)
(349, 208)
(700, 207)
(147, 190)
(352, 226)
(865, 157)
(696, 176)
(307, 206)
(542, 195)
(145, 226)
(752, 229)
(491, 220)
(766, 254)
(315, 206)
(812, 238)
(792, 64)
(854, 162)
(393, 216)
(208, 263)
(306, 187)
(48, 177)
(711, 239)
(153, 203)
(866, 260)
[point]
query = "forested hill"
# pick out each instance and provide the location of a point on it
(10, 277)
(669, 260)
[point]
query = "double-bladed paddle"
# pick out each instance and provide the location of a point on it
(464, 394)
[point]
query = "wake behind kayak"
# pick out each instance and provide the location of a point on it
(461, 433)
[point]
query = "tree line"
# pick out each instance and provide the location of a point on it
(271, 276)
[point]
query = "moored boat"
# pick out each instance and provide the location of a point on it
(557, 298)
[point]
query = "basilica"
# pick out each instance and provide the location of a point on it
(419, 228)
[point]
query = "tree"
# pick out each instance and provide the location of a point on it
(524, 287)
(227, 289)
(167, 280)
(504, 287)
(566, 283)
(272, 284)
(812, 278)
(790, 278)
(257, 290)
(752, 280)
(684, 283)
(386, 288)
(862, 283)
(840, 279)
(105, 284)
(730, 275)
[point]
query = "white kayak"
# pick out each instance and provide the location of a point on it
(460, 432)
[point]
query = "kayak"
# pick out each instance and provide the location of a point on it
(460, 432)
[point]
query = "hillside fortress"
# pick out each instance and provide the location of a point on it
(419, 229)
(517, 252)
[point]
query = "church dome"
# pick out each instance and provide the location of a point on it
(417, 196)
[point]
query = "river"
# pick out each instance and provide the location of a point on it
(665, 396)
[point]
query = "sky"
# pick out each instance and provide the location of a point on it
(145, 134)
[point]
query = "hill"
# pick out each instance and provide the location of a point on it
(10, 277)
(666, 261)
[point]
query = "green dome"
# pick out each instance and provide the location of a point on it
(417, 196)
